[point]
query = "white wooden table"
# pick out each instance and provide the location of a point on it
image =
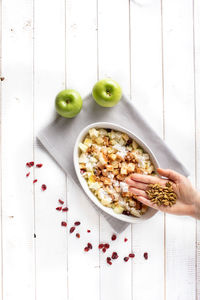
(152, 48)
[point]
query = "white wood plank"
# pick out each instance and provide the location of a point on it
(113, 41)
(180, 135)
(49, 78)
(146, 51)
(81, 70)
(17, 148)
(197, 102)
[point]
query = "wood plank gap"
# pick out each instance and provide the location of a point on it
(1, 206)
(163, 117)
(195, 146)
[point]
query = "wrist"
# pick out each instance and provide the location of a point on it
(196, 206)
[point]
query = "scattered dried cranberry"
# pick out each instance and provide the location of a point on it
(131, 255)
(77, 223)
(86, 249)
(126, 258)
(89, 245)
(44, 187)
(88, 231)
(146, 255)
(30, 164)
(78, 235)
(101, 246)
(107, 246)
(63, 224)
(82, 171)
(108, 259)
(39, 165)
(35, 180)
(104, 250)
(113, 238)
(65, 209)
(72, 229)
(125, 240)
(60, 201)
(27, 174)
(126, 213)
(115, 255)
(59, 208)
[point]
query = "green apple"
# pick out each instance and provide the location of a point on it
(68, 103)
(107, 92)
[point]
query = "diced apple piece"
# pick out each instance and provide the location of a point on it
(118, 209)
(93, 133)
(83, 147)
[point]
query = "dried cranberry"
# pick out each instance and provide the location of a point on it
(44, 187)
(125, 240)
(89, 245)
(108, 259)
(115, 255)
(60, 201)
(59, 208)
(86, 249)
(146, 255)
(82, 171)
(35, 180)
(65, 209)
(101, 246)
(126, 212)
(104, 250)
(129, 142)
(126, 258)
(78, 235)
(113, 238)
(88, 231)
(108, 129)
(77, 223)
(63, 224)
(72, 229)
(107, 246)
(39, 165)
(30, 164)
(131, 255)
(27, 174)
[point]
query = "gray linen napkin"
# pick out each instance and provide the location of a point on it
(59, 139)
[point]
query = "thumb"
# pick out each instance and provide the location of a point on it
(174, 176)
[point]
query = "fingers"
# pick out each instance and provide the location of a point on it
(174, 176)
(147, 202)
(136, 184)
(147, 179)
(137, 192)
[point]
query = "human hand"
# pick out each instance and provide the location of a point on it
(188, 198)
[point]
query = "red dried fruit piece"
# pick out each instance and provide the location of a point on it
(146, 255)
(125, 240)
(27, 174)
(101, 246)
(72, 229)
(35, 180)
(113, 238)
(30, 164)
(86, 249)
(59, 208)
(78, 235)
(77, 223)
(108, 259)
(107, 246)
(104, 250)
(88, 231)
(60, 201)
(39, 165)
(63, 224)
(131, 255)
(82, 171)
(126, 259)
(115, 255)
(44, 187)
(65, 209)
(89, 245)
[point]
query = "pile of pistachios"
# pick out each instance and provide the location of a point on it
(161, 195)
